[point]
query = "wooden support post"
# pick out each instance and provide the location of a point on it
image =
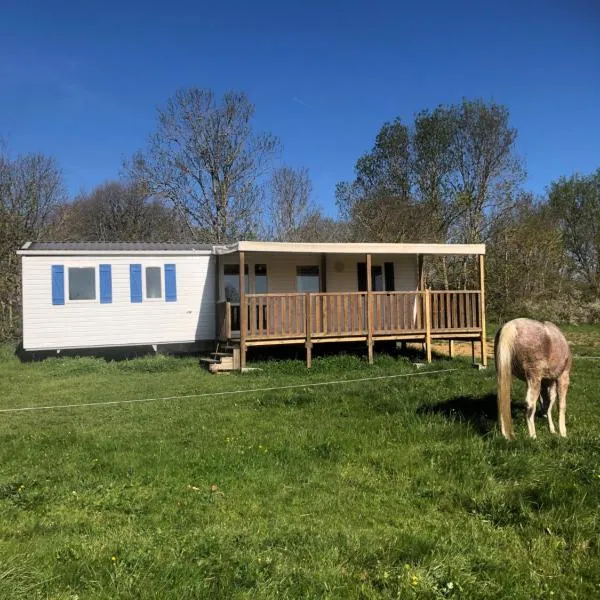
(218, 280)
(243, 313)
(451, 348)
(308, 329)
(369, 309)
(473, 351)
(428, 323)
(484, 360)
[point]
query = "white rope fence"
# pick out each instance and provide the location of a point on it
(227, 393)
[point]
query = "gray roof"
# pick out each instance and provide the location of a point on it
(117, 246)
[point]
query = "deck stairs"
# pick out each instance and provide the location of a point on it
(226, 357)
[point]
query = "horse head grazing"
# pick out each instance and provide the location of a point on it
(538, 354)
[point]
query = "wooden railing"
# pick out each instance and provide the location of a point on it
(337, 314)
(455, 310)
(346, 314)
(398, 312)
(276, 315)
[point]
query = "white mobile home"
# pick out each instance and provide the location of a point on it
(93, 295)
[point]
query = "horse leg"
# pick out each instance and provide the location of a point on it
(563, 386)
(533, 393)
(551, 400)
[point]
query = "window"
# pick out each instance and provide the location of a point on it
(153, 282)
(307, 279)
(260, 279)
(82, 283)
(232, 282)
(376, 277)
(388, 269)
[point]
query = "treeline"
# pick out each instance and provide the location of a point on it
(452, 175)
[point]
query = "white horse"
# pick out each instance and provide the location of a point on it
(538, 354)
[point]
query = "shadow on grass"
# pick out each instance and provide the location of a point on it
(114, 353)
(478, 411)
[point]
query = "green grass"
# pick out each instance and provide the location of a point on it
(398, 488)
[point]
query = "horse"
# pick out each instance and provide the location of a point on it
(538, 354)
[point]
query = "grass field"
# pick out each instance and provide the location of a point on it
(394, 488)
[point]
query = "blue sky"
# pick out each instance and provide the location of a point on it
(82, 80)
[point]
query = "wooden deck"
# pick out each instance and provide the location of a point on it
(311, 318)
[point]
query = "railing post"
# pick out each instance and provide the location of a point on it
(308, 328)
(243, 313)
(369, 309)
(227, 320)
(428, 323)
(482, 309)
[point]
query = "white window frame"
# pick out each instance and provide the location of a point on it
(319, 276)
(95, 300)
(252, 285)
(162, 282)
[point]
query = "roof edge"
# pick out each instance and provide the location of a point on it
(359, 248)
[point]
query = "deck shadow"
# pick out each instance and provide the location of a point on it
(478, 411)
(358, 349)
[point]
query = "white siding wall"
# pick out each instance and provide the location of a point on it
(341, 270)
(342, 276)
(281, 269)
(85, 324)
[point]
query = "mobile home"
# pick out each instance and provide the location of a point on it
(100, 295)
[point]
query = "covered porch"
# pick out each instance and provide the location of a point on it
(278, 293)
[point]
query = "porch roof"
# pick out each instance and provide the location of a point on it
(352, 248)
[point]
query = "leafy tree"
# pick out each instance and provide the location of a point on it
(486, 172)
(205, 159)
(119, 211)
(378, 204)
(575, 202)
(526, 260)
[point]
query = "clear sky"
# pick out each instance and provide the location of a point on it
(81, 80)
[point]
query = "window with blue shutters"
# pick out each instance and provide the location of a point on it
(58, 284)
(146, 283)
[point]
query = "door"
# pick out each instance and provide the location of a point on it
(231, 281)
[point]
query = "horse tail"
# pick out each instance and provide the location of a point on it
(503, 349)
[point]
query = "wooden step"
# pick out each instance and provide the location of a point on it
(209, 361)
(224, 365)
(225, 354)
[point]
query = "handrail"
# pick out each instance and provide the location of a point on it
(224, 320)
(297, 315)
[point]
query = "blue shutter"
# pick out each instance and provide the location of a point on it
(58, 284)
(105, 284)
(170, 283)
(135, 282)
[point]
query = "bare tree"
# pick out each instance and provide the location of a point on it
(205, 159)
(290, 207)
(31, 190)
